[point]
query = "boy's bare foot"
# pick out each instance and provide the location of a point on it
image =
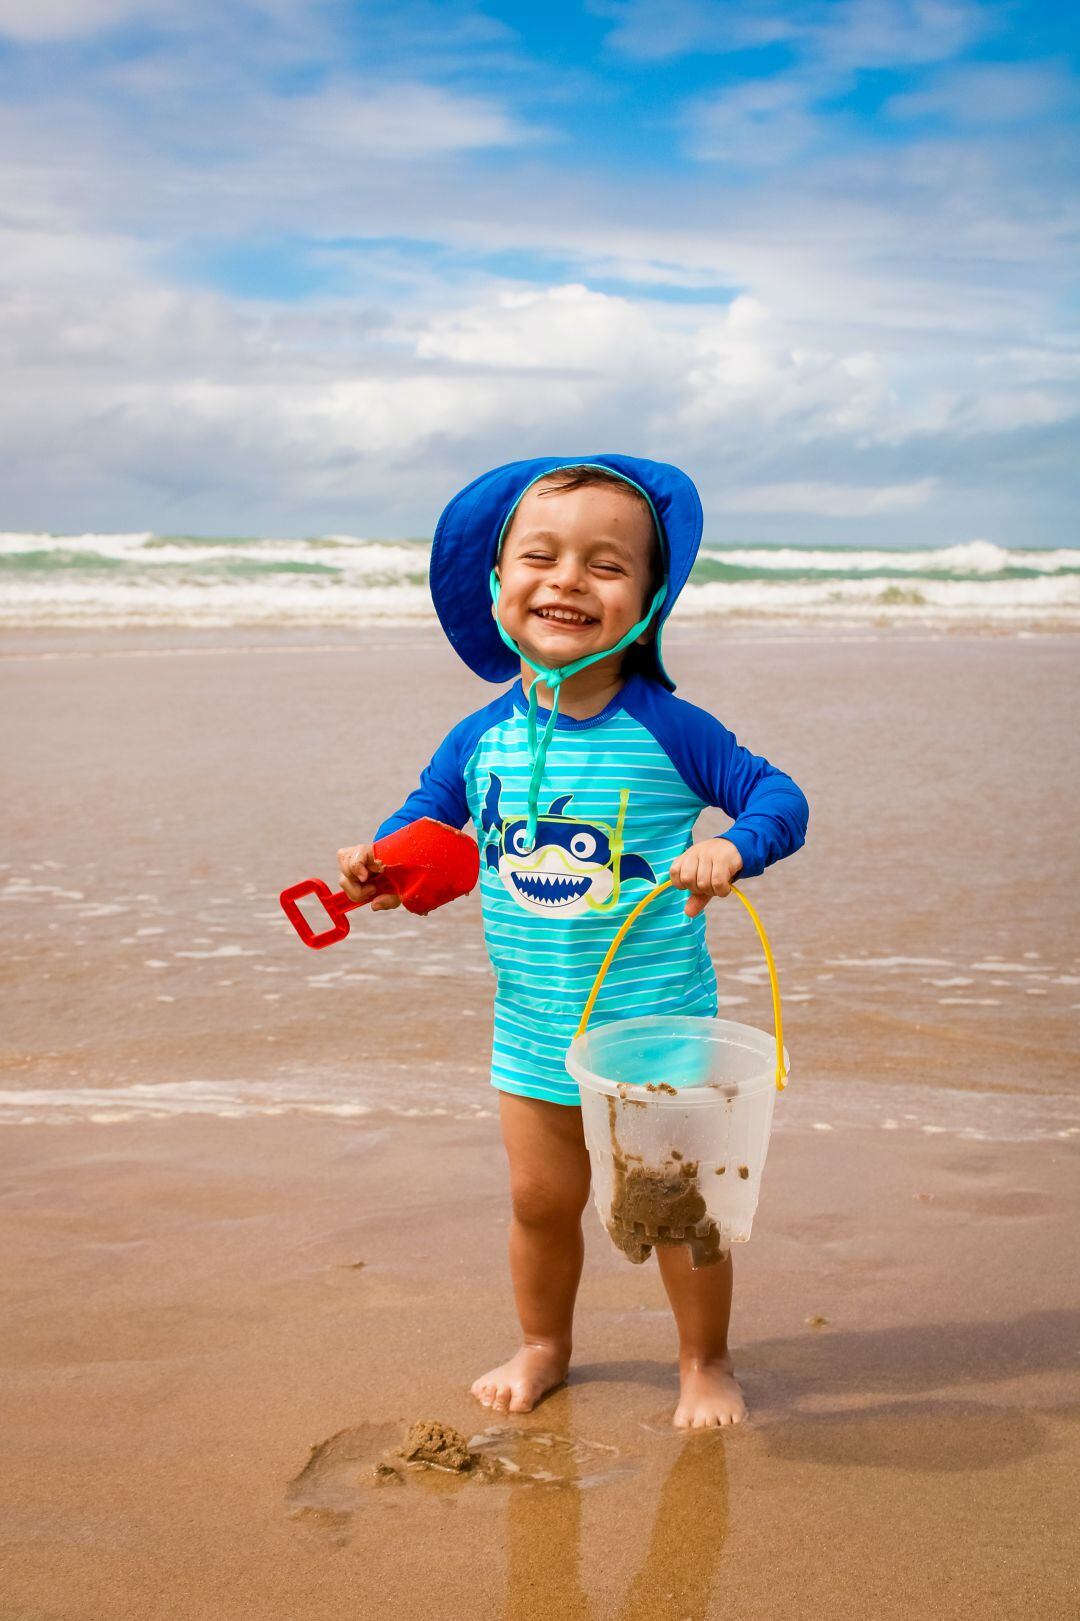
(709, 1394)
(518, 1385)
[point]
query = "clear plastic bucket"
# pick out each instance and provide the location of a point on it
(677, 1114)
(688, 1157)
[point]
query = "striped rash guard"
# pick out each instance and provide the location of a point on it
(620, 795)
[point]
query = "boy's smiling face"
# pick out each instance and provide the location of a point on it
(575, 570)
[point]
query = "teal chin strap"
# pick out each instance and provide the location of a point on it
(538, 744)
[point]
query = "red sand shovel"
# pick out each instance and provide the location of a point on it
(426, 863)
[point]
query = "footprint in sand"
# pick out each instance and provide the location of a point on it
(331, 1485)
(364, 1465)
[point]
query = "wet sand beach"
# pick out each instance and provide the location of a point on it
(253, 1202)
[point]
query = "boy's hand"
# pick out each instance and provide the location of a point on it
(358, 866)
(706, 869)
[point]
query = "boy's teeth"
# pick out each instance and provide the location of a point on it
(564, 613)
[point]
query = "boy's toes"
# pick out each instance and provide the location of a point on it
(519, 1384)
(710, 1397)
(490, 1393)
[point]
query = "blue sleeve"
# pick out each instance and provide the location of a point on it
(769, 811)
(442, 794)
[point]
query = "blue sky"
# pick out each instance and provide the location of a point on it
(284, 267)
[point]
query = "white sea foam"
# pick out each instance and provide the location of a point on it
(227, 1100)
(889, 962)
(927, 601)
(999, 967)
(13, 541)
(148, 551)
(266, 600)
(140, 579)
(973, 557)
(291, 600)
(461, 1094)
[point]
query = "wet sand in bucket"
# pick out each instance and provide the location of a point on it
(659, 1204)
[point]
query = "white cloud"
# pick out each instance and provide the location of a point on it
(47, 253)
(856, 34)
(839, 34)
(53, 21)
(987, 93)
(826, 500)
(192, 412)
(760, 121)
(656, 30)
(776, 119)
(684, 373)
(46, 20)
(901, 335)
(568, 329)
(398, 120)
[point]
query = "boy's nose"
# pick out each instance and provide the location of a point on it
(568, 574)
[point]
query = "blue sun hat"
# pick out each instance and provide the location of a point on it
(464, 585)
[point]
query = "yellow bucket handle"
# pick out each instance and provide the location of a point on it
(781, 1071)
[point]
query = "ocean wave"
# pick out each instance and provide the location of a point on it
(974, 558)
(186, 553)
(1043, 598)
(280, 599)
(143, 579)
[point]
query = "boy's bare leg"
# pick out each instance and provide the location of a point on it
(709, 1393)
(549, 1186)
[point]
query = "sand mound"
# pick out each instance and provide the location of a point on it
(438, 1446)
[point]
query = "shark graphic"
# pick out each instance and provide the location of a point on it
(573, 868)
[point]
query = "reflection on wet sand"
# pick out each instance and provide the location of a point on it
(685, 1544)
(688, 1535)
(543, 1543)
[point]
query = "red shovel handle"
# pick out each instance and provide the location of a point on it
(335, 902)
(426, 863)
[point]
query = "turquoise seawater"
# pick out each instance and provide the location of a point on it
(148, 579)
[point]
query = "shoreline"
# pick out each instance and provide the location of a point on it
(809, 1104)
(691, 635)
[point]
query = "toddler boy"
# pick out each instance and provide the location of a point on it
(584, 781)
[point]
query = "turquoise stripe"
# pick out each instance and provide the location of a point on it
(589, 955)
(512, 1039)
(647, 767)
(593, 950)
(568, 1095)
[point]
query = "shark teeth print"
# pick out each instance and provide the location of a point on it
(548, 888)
